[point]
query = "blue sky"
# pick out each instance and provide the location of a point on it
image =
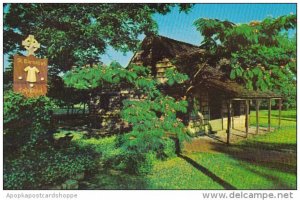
(179, 26)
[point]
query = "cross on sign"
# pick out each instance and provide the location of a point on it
(31, 45)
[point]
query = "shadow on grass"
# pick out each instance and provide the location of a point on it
(281, 157)
(208, 173)
(277, 182)
(281, 147)
(275, 119)
(215, 137)
(291, 116)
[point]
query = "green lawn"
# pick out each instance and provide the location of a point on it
(219, 171)
(232, 169)
(262, 162)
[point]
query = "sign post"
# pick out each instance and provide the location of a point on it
(30, 72)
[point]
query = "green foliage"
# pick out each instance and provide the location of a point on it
(36, 169)
(106, 147)
(65, 96)
(25, 119)
(153, 118)
(77, 34)
(134, 163)
(94, 77)
(168, 150)
(261, 54)
(160, 120)
(174, 76)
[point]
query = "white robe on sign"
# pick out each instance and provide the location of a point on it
(31, 74)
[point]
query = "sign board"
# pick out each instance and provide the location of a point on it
(30, 73)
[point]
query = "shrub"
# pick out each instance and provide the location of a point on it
(25, 119)
(168, 150)
(146, 166)
(134, 163)
(41, 168)
(18, 174)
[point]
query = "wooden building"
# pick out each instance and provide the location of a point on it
(215, 101)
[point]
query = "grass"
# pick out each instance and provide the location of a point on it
(232, 168)
(104, 146)
(178, 174)
(283, 138)
(263, 162)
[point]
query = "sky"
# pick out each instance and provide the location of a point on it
(179, 26)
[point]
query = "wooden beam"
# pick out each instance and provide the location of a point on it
(247, 117)
(269, 114)
(238, 99)
(229, 105)
(279, 116)
(232, 118)
(222, 117)
(257, 110)
(261, 98)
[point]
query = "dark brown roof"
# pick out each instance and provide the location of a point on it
(235, 90)
(155, 48)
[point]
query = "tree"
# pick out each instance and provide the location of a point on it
(77, 34)
(153, 118)
(262, 55)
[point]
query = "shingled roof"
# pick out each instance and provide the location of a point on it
(155, 48)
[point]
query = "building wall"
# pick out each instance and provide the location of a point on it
(209, 121)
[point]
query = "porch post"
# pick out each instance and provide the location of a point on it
(269, 114)
(229, 105)
(279, 116)
(247, 117)
(222, 116)
(257, 110)
(232, 118)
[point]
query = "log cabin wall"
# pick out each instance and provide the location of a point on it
(161, 67)
(104, 109)
(198, 122)
(204, 106)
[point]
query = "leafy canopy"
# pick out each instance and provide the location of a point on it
(153, 118)
(77, 34)
(261, 53)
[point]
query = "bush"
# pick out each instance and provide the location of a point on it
(134, 163)
(41, 168)
(25, 119)
(133, 160)
(146, 166)
(168, 149)
(18, 174)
